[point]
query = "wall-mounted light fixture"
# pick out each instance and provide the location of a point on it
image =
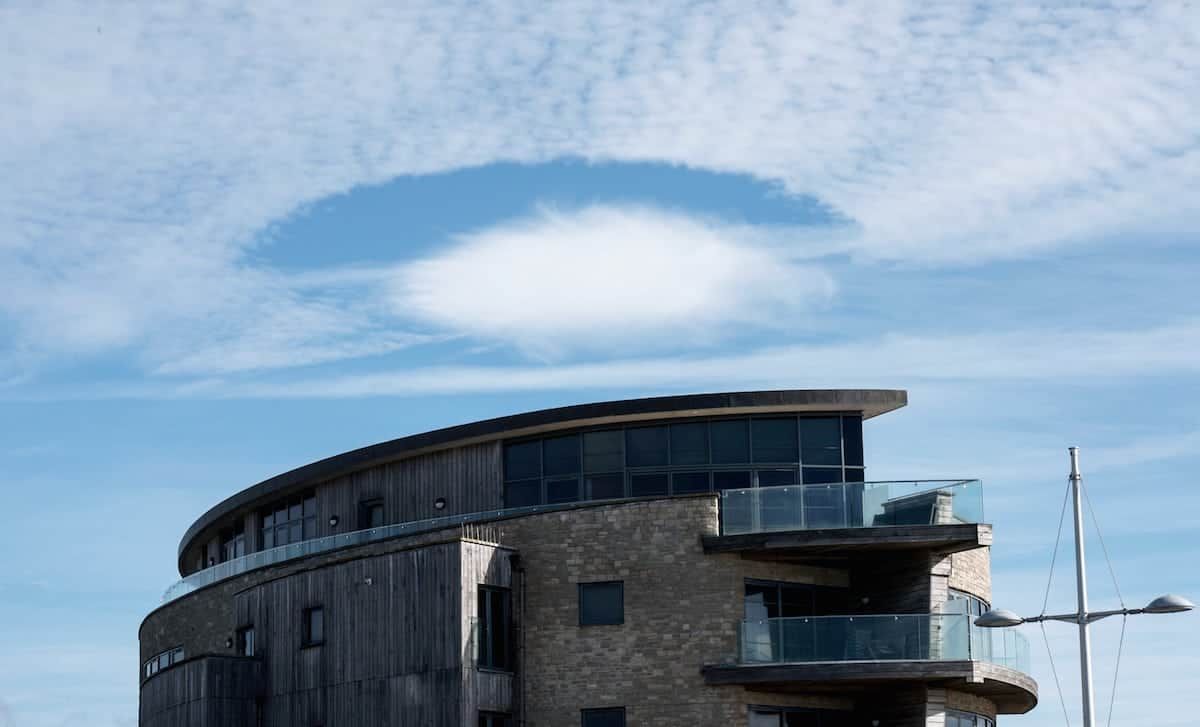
(333, 521)
(439, 504)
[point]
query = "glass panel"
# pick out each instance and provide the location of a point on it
(601, 603)
(603, 717)
(268, 520)
(645, 485)
(775, 440)
(854, 474)
(825, 506)
(822, 475)
(821, 440)
(852, 440)
(559, 491)
(523, 494)
(560, 456)
(774, 478)
(310, 528)
(730, 441)
(316, 625)
(802, 719)
(739, 511)
(605, 487)
(730, 480)
(295, 512)
(310, 507)
(523, 460)
(689, 443)
(268, 536)
(646, 446)
(603, 451)
(764, 719)
(685, 482)
(779, 508)
(296, 532)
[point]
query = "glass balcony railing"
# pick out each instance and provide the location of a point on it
(851, 505)
(304, 548)
(905, 637)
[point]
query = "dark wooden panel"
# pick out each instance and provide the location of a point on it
(207, 691)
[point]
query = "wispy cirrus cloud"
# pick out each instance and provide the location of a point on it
(148, 150)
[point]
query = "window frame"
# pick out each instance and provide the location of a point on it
(487, 661)
(306, 637)
(600, 711)
(582, 588)
(244, 641)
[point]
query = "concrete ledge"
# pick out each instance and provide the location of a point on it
(801, 544)
(1012, 691)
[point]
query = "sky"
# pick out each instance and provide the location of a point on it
(236, 239)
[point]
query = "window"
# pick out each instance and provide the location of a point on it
(821, 440)
(961, 602)
(607, 717)
(955, 718)
(314, 626)
(523, 494)
(605, 487)
(233, 542)
(245, 641)
(495, 628)
(731, 480)
(601, 603)
(290, 521)
(494, 719)
(163, 660)
(564, 490)
(730, 441)
(523, 461)
(793, 717)
(560, 456)
(604, 451)
(689, 443)
(685, 482)
(370, 514)
(645, 485)
(775, 440)
(646, 447)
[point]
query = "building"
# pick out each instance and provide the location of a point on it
(715, 559)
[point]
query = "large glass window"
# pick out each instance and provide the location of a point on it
(955, 718)
(233, 542)
(698, 455)
(289, 521)
(646, 447)
(601, 603)
(495, 628)
(163, 660)
(775, 440)
(794, 717)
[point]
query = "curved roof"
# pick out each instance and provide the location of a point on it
(870, 402)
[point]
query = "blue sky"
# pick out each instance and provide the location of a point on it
(234, 240)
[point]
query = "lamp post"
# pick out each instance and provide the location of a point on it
(1000, 618)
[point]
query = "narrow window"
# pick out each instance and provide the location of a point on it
(495, 628)
(607, 717)
(245, 641)
(601, 603)
(314, 626)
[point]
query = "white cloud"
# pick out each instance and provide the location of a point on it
(144, 151)
(603, 277)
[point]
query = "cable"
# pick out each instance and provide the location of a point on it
(1054, 671)
(1117, 670)
(1103, 547)
(1057, 540)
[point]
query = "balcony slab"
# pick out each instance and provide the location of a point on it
(846, 542)
(1012, 691)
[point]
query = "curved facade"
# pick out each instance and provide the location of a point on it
(711, 559)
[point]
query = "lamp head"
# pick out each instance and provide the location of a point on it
(1169, 603)
(999, 618)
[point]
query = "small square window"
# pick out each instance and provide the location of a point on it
(495, 719)
(601, 603)
(314, 626)
(607, 717)
(370, 514)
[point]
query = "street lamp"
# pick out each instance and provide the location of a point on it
(1002, 618)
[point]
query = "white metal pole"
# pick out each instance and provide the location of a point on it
(1085, 645)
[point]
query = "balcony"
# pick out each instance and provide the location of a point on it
(853, 652)
(839, 519)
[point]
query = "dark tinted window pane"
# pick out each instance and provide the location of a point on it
(296, 533)
(684, 482)
(521, 494)
(646, 485)
(314, 627)
(822, 475)
(821, 440)
(802, 719)
(774, 478)
(730, 441)
(731, 480)
(268, 537)
(268, 520)
(295, 512)
(646, 446)
(523, 461)
(495, 626)
(310, 506)
(310, 528)
(689, 443)
(560, 456)
(775, 440)
(605, 487)
(562, 490)
(603, 451)
(604, 717)
(853, 474)
(601, 603)
(852, 440)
